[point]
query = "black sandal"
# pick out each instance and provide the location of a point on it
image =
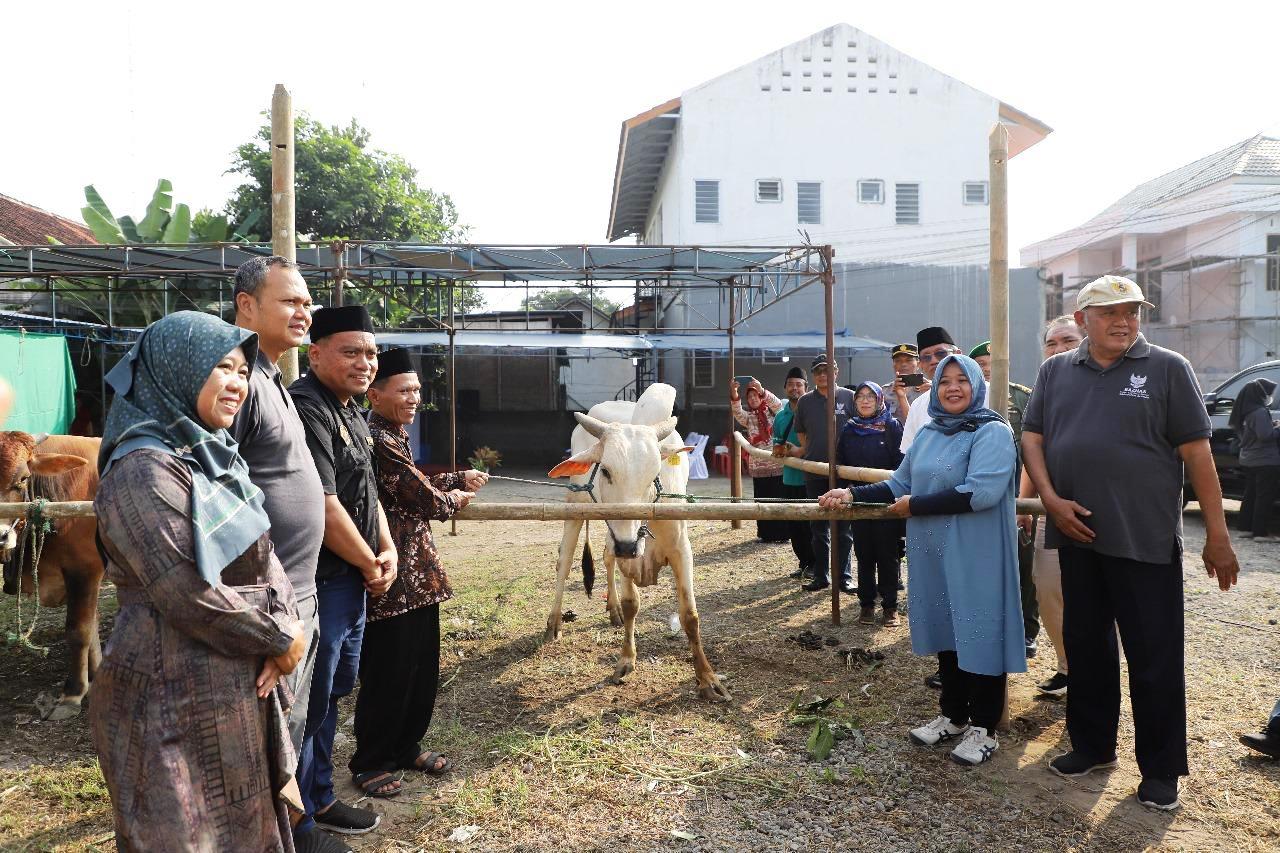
(429, 766)
(370, 781)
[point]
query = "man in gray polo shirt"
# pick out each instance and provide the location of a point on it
(1108, 430)
(812, 430)
(272, 299)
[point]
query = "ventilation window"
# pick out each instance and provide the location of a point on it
(975, 192)
(768, 190)
(809, 202)
(706, 201)
(906, 204)
(871, 192)
(786, 73)
(826, 39)
(786, 88)
(826, 73)
(808, 74)
(826, 88)
(765, 87)
(871, 59)
(913, 91)
(893, 91)
(853, 59)
(853, 44)
(807, 58)
(807, 89)
(893, 75)
(851, 74)
(826, 59)
(872, 90)
(853, 88)
(871, 74)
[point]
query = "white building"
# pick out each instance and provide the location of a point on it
(1203, 241)
(839, 136)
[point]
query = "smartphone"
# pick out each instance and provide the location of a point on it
(744, 381)
(913, 380)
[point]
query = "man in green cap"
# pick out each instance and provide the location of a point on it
(1019, 396)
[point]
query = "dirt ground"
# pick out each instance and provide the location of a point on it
(550, 756)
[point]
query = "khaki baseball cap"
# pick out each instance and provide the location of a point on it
(1109, 290)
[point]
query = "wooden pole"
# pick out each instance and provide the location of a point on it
(999, 284)
(998, 161)
(283, 236)
(671, 510)
(833, 429)
(821, 469)
(735, 458)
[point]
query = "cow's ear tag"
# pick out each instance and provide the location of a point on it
(674, 458)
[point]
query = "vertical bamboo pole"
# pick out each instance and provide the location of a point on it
(735, 455)
(999, 284)
(833, 530)
(998, 289)
(283, 236)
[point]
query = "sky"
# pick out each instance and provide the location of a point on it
(514, 109)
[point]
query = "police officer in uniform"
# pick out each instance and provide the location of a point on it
(358, 555)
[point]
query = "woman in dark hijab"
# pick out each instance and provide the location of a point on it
(188, 705)
(1253, 424)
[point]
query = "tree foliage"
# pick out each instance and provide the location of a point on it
(551, 299)
(345, 189)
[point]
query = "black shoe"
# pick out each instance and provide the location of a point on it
(848, 589)
(1055, 687)
(1267, 742)
(1074, 764)
(314, 841)
(934, 681)
(815, 585)
(1159, 794)
(1032, 648)
(800, 572)
(347, 820)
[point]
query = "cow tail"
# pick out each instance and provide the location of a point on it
(588, 564)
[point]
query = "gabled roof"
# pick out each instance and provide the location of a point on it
(646, 139)
(1258, 157)
(24, 225)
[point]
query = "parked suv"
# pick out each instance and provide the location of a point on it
(1225, 448)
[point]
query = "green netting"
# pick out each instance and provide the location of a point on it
(39, 369)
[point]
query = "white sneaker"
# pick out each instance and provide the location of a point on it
(976, 747)
(939, 731)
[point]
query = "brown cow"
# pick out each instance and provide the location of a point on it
(58, 468)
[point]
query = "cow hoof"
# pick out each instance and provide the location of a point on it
(551, 634)
(615, 618)
(622, 670)
(66, 709)
(715, 692)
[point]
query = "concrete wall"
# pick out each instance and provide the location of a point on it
(918, 125)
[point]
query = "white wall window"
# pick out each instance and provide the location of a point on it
(706, 201)
(704, 369)
(768, 189)
(906, 204)
(871, 192)
(975, 192)
(809, 202)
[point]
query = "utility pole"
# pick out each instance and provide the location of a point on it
(283, 236)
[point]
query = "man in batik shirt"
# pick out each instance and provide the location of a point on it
(400, 659)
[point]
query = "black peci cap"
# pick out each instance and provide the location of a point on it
(931, 337)
(346, 318)
(394, 361)
(797, 372)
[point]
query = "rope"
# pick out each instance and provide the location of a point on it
(37, 527)
(587, 487)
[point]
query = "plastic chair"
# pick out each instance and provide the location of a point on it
(698, 456)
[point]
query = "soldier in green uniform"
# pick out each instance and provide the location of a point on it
(1019, 396)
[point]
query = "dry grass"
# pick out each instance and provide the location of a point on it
(551, 756)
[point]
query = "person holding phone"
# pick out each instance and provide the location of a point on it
(908, 384)
(766, 474)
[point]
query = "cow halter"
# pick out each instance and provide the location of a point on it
(590, 488)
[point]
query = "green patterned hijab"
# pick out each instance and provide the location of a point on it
(156, 388)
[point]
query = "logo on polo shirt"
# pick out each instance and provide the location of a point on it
(839, 408)
(1137, 387)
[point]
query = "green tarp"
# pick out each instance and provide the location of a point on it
(39, 369)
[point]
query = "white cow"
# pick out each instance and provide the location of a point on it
(629, 453)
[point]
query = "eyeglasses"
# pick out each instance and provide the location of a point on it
(866, 398)
(930, 357)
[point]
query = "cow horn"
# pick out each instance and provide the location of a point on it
(40, 437)
(591, 425)
(665, 428)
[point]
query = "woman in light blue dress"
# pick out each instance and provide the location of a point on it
(956, 488)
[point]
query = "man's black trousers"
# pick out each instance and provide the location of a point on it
(1144, 600)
